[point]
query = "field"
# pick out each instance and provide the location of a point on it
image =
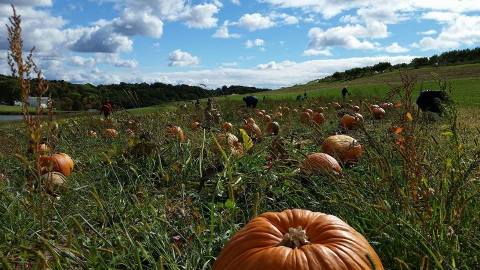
(146, 200)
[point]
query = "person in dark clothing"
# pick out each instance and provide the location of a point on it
(433, 101)
(344, 93)
(107, 109)
(250, 101)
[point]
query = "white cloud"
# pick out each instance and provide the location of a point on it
(395, 48)
(236, 2)
(255, 21)
(347, 37)
(428, 33)
(314, 52)
(254, 43)
(223, 32)
(460, 30)
(201, 16)
(138, 23)
(182, 59)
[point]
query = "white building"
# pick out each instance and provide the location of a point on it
(33, 102)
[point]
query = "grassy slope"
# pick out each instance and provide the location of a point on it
(464, 78)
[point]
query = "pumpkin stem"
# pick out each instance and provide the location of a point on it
(295, 238)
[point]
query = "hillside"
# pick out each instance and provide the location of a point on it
(464, 79)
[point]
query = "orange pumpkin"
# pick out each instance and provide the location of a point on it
(175, 131)
(227, 126)
(305, 117)
(195, 125)
(267, 118)
(273, 128)
(356, 108)
(250, 121)
(297, 240)
(92, 134)
(278, 115)
(318, 118)
(343, 147)
(111, 133)
(309, 111)
(231, 142)
(351, 121)
(253, 130)
(60, 162)
(378, 113)
(321, 163)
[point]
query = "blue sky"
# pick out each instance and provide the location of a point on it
(265, 43)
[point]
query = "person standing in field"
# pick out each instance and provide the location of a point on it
(344, 93)
(107, 109)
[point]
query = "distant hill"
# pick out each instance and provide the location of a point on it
(77, 97)
(456, 57)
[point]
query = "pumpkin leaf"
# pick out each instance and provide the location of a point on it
(247, 141)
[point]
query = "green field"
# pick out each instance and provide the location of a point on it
(145, 200)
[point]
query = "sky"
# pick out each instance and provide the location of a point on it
(262, 43)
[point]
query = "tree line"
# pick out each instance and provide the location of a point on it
(77, 97)
(466, 56)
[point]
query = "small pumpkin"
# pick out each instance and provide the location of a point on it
(321, 163)
(297, 240)
(195, 125)
(229, 141)
(60, 162)
(53, 181)
(227, 126)
(318, 118)
(175, 131)
(92, 134)
(378, 113)
(273, 128)
(253, 130)
(351, 121)
(267, 118)
(305, 117)
(343, 147)
(110, 133)
(356, 108)
(336, 105)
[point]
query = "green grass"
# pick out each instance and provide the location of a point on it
(6, 109)
(149, 202)
(128, 198)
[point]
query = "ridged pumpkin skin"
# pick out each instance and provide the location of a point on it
(61, 163)
(333, 245)
(321, 163)
(343, 147)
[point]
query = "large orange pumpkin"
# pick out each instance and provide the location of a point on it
(321, 163)
(252, 129)
(343, 147)
(60, 162)
(297, 240)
